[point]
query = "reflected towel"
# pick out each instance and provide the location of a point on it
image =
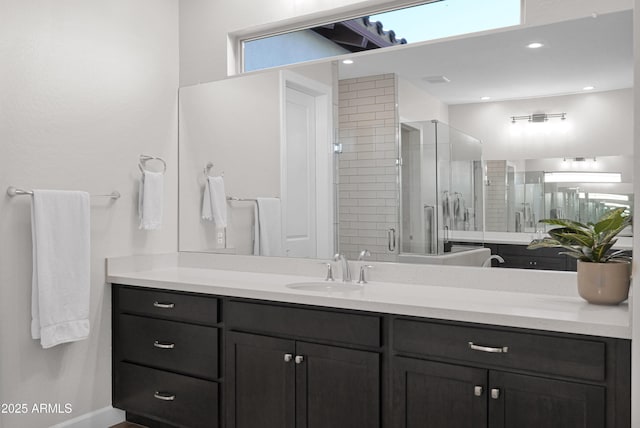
(151, 200)
(214, 202)
(267, 228)
(61, 266)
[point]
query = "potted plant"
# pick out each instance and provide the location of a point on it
(603, 275)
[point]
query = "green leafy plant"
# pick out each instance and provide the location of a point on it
(589, 242)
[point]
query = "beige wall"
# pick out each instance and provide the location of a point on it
(85, 87)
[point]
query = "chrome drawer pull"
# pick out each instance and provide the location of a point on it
(163, 305)
(164, 345)
(501, 350)
(164, 396)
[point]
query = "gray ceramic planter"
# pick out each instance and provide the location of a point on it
(604, 283)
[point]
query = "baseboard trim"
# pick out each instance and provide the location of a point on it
(100, 418)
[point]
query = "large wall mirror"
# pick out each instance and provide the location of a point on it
(414, 152)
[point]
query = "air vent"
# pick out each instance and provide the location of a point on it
(436, 79)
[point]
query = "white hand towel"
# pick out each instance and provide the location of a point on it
(214, 202)
(269, 228)
(61, 266)
(151, 200)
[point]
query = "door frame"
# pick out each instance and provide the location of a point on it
(324, 155)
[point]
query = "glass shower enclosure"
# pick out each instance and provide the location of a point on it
(441, 189)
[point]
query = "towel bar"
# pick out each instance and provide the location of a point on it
(14, 191)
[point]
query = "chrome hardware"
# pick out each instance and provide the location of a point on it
(329, 276)
(346, 272)
(477, 391)
(164, 396)
(495, 393)
(363, 254)
(337, 148)
(362, 279)
(164, 345)
(288, 358)
(299, 359)
(391, 237)
(501, 350)
(487, 262)
(163, 305)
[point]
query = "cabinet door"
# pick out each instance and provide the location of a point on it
(519, 401)
(260, 381)
(337, 387)
(435, 395)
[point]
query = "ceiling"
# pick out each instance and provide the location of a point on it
(585, 52)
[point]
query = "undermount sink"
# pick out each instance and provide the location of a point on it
(325, 286)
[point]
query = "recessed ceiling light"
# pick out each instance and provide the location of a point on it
(535, 45)
(347, 61)
(588, 88)
(485, 98)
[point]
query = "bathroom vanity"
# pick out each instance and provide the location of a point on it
(196, 347)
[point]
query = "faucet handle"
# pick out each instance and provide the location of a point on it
(362, 278)
(329, 271)
(364, 253)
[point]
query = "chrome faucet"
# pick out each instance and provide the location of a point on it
(346, 273)
(487, 263)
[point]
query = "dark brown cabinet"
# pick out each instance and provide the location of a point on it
(437, 395)
(165, 357)
(275, 382)
(178, 364)
(461, 376)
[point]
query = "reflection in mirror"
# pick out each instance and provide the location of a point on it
(358, 199)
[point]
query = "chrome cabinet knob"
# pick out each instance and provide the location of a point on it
(495, 393)
(288, 358)
(299, 359)
(477, 390)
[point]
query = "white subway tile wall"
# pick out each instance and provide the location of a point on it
(496, 196)
(367, 170)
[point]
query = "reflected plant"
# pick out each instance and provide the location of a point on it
(589, 242)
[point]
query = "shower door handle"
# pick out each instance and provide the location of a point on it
(391, 237)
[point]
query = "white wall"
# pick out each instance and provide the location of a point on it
(206, 52)
(234, 123)
(415, 104)
(635, 306)
(86, 86)
(598, 124)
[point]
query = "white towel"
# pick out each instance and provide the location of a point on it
(214, 202)
(61, 262)
(151, 200)
(267, 229)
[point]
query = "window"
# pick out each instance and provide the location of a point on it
(433, 20)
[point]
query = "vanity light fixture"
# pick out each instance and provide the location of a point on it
(535, 45)
(582, 177)
(614, 205)
(347, 61)
(539, 117)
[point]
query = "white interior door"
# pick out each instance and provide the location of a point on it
(299, 207)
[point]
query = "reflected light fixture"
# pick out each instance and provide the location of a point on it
(609, 196)
(347, 61)
(535, 45)
(485, 98)
(582, 177)
(588, 88)
(539, 117)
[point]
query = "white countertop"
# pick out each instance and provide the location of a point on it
(435, 297)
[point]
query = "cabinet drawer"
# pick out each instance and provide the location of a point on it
(173, 306)
(176, 399)
(578, 358)
(185, 348)
(353, 329)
